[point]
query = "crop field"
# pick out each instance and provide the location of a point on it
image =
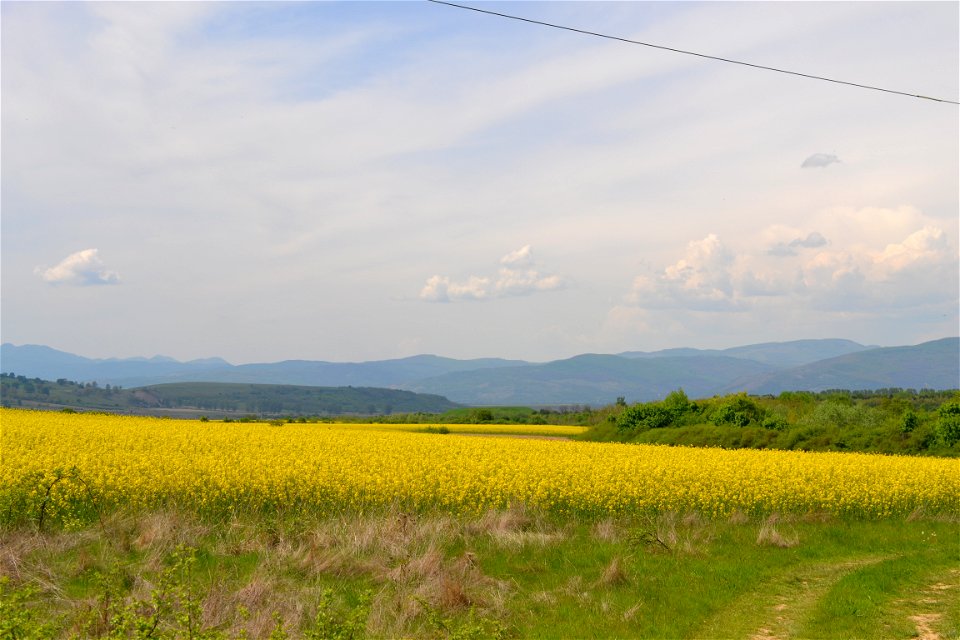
(76, 467)
(130, 527)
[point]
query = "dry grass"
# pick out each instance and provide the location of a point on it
(401, 554)
(770, 536)
(514, 527)
(162, 531)
(632, 612)
(615, 574)
(607, 530)
(689, 534)
(818, 517)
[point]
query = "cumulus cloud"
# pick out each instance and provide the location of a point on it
(442, 289)
(926, 246)
(702, 279)
(82, 268)
(812, 241)
(517, 276)
(819, 160)
(856, 272)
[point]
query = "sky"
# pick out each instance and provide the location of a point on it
(365, 180)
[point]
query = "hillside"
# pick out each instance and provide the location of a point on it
(931, 365)
(36, 361)
(778, 354)
(218, 399)
(800, 365)
(591, 379)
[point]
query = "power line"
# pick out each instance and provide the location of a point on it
(691, 53)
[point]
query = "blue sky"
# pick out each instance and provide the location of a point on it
(366, 180)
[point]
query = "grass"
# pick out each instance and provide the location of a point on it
(515, 573)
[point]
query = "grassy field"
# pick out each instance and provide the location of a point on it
(138, 527)
(509, 574)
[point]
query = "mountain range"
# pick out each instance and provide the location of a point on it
(595, 379)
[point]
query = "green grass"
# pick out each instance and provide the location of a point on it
(517, 574)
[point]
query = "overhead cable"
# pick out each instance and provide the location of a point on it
(691, 53)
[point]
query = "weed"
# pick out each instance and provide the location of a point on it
(17, 618)
(474, 627)
(329, 625)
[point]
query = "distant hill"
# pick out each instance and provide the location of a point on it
(585, 379)
(931, 365)
(36, 361)
(383, 373)
(778, 354)
(591, 379)
(218, 399)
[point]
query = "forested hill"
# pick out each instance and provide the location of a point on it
(217, 399)
(594, 379)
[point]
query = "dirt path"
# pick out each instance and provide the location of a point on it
(775, 609)
(929, 605)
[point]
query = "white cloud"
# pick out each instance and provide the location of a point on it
(819, 160)
(521, 256)
(442, 289)
(863, 272)
(926, 246)
(518, 277)
(82, 268)
(702, 279)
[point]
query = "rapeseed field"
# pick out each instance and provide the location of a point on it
(73, 468)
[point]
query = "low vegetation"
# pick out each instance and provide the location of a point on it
(889, 421)
(514, 573)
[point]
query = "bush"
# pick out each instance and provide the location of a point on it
(483, 415)
(656, 415)
(775, 423)
(645, 416)
(738, 410)
(948, 423)
(839, 412)
(908, 421)
(677, 403)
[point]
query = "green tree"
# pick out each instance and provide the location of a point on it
(948, 423)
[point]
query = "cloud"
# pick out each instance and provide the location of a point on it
(517, 277)
(519, 257)
(819, 160)
(894, 266)
(83, 268)
(813, 240)
(442, 289)
(926, 246)
(702, 279)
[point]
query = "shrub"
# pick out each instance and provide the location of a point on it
(483, 415)
(651, 415)
(908, 421)
(839, 412)
(948, 423)
(775, 423)
(737, 410)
